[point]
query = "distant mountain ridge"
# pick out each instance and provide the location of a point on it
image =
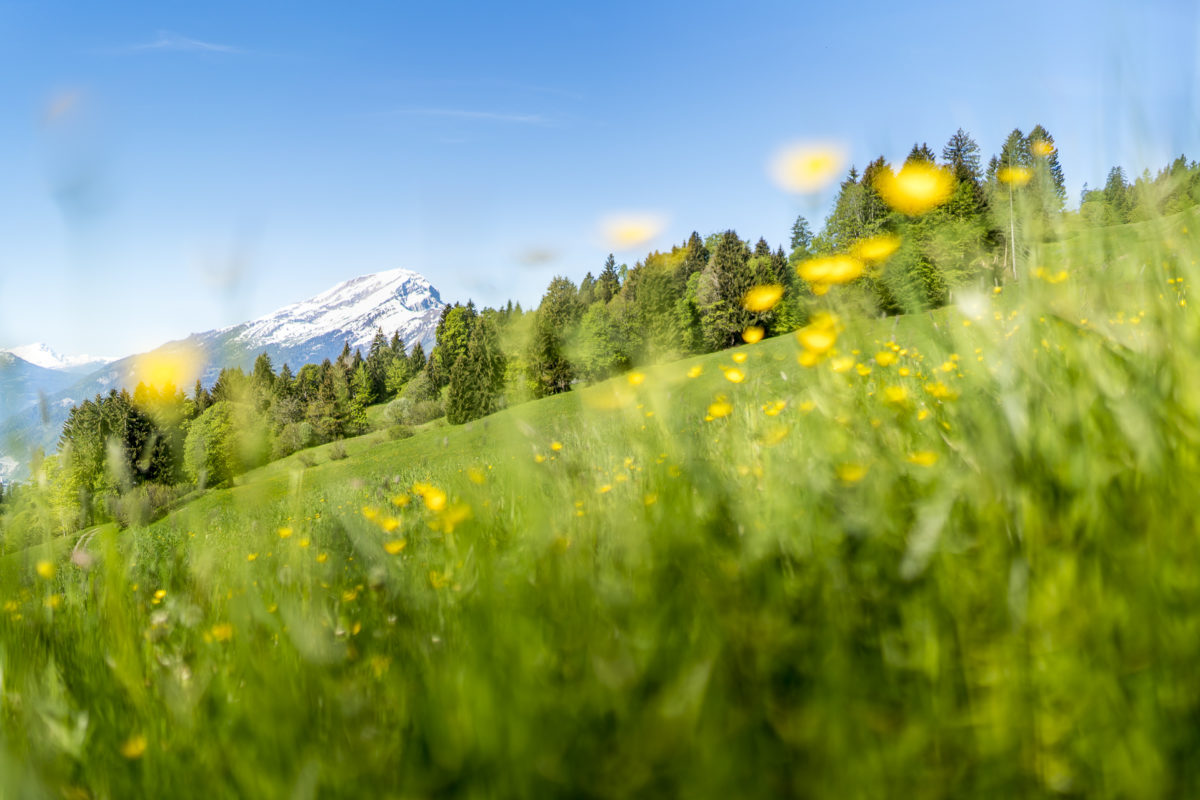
(44, 356)
(396, 301)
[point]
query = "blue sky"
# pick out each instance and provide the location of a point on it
(174, 167)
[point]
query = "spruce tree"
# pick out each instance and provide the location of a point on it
(609, 282)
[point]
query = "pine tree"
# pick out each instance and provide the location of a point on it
(801, 236)
(961, 154)
(416, 359)
(726, 279)
(609, 282)
(201, 397)
(921, 154)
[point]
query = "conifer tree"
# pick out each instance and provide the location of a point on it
(609, 282)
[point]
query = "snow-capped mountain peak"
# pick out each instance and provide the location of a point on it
(42, 355)
(397, 300)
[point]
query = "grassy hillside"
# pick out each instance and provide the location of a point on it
(952, 555)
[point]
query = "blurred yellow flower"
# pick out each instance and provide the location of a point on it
(807, 167)
(696, 371)
(438, 579)
(636, 378)
(134, 747)
(739, 358)
(842, 364)
(435, 498)
(1015, 176)
(626, 231)
(828, 270)
(556, 446)
(720, 408)
(876, 248)
(322, 558)
(753, 334)
(1041, 148)
(885, 358)
(762, 298)
(252, 557)
(389, 524)
(917, 188)
(734, 375)
(45, 569)
(284, 533)
(394, 546)
(923, 458)
(173, 364)
(851, 473)
(895, 394)
(221, 632)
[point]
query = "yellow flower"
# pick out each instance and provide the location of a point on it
(876, 248)
(160, 594)
(394, 546)
(851, 473)
(734, 375)
(827, 270)
(303, 542)
(605, 489)
(752, 334)
(1041, 148)
(885, 358)
(720, 408)
(322, 558)
(370, 513)
(556, 446)
(134, 747)
(1015, 176)
(1044, 274)
(438, 579)
(762, 298)
(696, 371)
(45, 569)
(389, 524)
(626, 231)
(221, 632)
(636, 378)
(807, 167)
(401, 500)
(820, 334)
(862, 369)
(917, 188)
(449, 519)
(284, 533)
(774, 409)
(923, 458)
(175, 364)
(435, 498)
(252, 556)
(895, 394)
(842, 364)
(739, 358)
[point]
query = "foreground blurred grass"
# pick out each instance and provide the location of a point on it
(967, 568)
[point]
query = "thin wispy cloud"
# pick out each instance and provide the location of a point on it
(474, 114)
(166, 41)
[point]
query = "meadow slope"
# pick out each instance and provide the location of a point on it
(949, 554)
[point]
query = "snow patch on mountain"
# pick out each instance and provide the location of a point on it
(397, 300)
(46, 357)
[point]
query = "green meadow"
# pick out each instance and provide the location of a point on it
(951, 554)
